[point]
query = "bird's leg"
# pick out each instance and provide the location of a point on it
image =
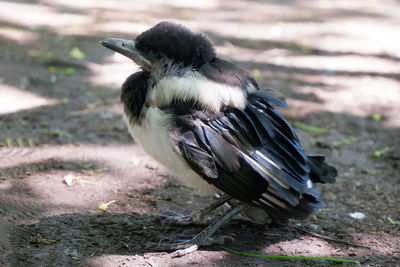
(197, 216)
(202, 238)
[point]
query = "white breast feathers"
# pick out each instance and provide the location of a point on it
(193, 86)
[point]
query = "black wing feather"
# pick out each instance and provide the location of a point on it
(198, 159)
(253, 155)
(221, 150)
(270, 96)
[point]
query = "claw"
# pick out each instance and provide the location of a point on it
(194, 218)
(201, 239)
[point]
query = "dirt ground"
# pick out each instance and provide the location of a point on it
(337, 62)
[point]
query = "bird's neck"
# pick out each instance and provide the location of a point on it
(193, 86)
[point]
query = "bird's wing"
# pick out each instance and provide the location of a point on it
(253, 155)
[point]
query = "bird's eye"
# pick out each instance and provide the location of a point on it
(158, 56)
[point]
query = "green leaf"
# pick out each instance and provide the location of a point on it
(104, 206)
(51, 69)
(69, 71)
(257, 75)
(48, 55)
(391, 221)
(379, 153)
(65, 100)
(376, 117)
(76, 53)
(286, 257)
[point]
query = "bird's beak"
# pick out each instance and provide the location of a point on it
(128, 49)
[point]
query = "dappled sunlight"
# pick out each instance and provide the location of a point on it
(91, 152)
(13, 100)
(19, 36)
(109, 5)
(361, 100)
(336, 62)
(129, 5)
(237, 29)
(339, 64)
(354, 34)
(374, 240)
(359, 97)
(121, 27)
(206, 258)
(362, 97)
(301, 108)
(113, 72)
(313, 247)
(93, 164)
(306, 246)
(31, 15)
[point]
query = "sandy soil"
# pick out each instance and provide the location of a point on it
(337, 62)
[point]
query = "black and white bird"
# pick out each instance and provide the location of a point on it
(208, 122)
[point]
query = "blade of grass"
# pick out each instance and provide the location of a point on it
(8, 142)
(308, 128)
(19, 141)
(286, 257)
(349, 141)
(30, 142)
(100, 170)
(391, 221)
(379, 153)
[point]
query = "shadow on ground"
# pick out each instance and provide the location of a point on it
(68, 121)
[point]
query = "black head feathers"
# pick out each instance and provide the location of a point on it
(176, 42)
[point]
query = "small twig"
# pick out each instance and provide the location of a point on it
(330, 238)
(182, 252)
(151, 263)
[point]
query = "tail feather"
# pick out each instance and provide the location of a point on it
(320, 171)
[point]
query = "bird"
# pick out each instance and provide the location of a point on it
(211, 125)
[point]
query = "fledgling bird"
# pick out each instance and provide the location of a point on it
(208, 122)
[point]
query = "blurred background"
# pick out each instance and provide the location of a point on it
(64, 148)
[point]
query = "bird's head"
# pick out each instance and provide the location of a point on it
(165, 42)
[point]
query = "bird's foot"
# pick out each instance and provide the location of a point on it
(179, 219)
(188, 246)
(201, 239)
(196, 217)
